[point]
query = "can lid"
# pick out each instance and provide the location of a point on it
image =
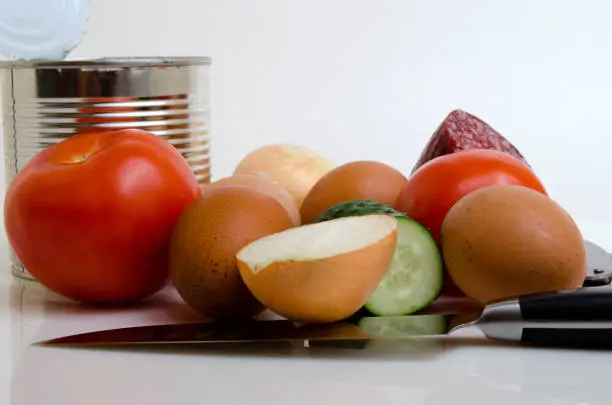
(110, 63)
(41, 29)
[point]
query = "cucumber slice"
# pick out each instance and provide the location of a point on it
(407, 334)
(354, 208)
(415, 277)
(418, 325)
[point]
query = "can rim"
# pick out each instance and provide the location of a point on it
(119, 62)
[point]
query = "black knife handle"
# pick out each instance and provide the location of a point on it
(570, 338)
(586, 304)
(579, 319)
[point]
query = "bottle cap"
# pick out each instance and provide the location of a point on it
(41, 29)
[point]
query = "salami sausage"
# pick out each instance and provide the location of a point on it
(463, 131)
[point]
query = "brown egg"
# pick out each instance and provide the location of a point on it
(265, 184)
(365, 180)
(204, 244)
(504, 241)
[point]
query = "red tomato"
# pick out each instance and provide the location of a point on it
(91, 217)
(436, 186)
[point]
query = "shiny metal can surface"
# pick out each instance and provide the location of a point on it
(46, 102)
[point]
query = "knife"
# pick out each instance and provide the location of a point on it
(575, 318)
(599, 265)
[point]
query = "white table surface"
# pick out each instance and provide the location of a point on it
(463, 369)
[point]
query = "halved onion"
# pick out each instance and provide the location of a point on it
(322, 272)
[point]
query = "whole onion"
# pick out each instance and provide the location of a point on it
(296, 168)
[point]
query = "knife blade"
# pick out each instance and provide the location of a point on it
(576, 318)
(362, 328)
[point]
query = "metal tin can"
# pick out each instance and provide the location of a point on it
(44, 102)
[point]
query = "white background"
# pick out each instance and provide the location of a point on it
(372, 79)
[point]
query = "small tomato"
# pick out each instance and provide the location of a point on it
(436, 186)
(91, 217)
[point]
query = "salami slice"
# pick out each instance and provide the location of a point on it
(463, 131)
